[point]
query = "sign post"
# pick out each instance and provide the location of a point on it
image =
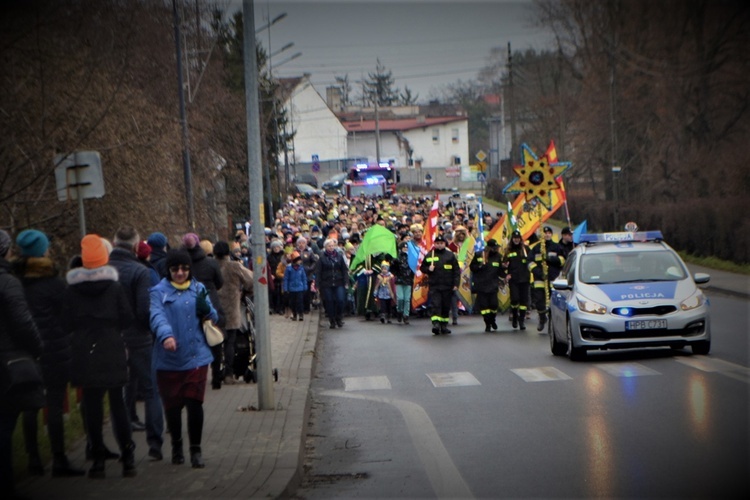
(79, 176)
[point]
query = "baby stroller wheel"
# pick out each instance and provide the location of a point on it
(275, 375)
(249, 376)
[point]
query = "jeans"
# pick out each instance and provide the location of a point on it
(403, 299)
(334, 301)
(143, 375)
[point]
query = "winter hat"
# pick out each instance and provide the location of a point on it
(191, 240)
(207, 247)
(5, 243)
(93, 251)
(221, 249)
(157, 240)
(32, 243)
(107, 244)
(143, 250)
(177, 257)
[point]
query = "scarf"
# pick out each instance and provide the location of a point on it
(184, 286)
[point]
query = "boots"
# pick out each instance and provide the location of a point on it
(62, 468)
(97, 470)
(399, 317)
(436, 327)
(487, 323)
(128, 461)
(406, 320)
(382, 318)
(196, 460)
(542, 322)
(521, 319)
(388, 319)
(493, 324)
(515, 318)
(35, 464)
(444, 329)
(178, 456)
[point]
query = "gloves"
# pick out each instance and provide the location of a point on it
(202, 308)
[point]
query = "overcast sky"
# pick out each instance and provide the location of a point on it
(425, 43)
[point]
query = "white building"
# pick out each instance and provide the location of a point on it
(418, 142)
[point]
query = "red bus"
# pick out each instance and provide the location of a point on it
(365, 180)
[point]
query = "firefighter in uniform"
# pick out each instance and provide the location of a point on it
(540, 286)
(441, 267)
(486, 272)
(516, 261)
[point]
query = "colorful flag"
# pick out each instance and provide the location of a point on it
(377, 240)
(479, 246)
(465, 255)
(581, 229)
(420, 288)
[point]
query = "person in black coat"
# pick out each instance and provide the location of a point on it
(441, 267)
(331, 278)
(18, 336)
(486, 272)
(516, 261)
(44, 290)
(97, 313)
(206, 270)
(136, 280)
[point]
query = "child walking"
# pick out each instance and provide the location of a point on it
(295, 286)
(385, 291)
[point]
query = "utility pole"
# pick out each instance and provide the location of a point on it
(255, 188)
(613, 137)
(187, 172)
(377, 131)
(513, 137)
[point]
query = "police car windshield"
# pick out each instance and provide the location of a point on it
(629, 267)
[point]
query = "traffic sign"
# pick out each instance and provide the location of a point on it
(315, 163)
(481, 177)
(481, 155)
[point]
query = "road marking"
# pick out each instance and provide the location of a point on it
(626, 369)
(453, 379)
(713, 365)
(443, 474)
(366, 383)
(543, 374)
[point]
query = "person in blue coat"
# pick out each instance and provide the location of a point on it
(295, 284)
(179, 304)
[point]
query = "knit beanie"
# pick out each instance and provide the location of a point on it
(178, 257)
(32, 243)
(157, 240)
(191, 240)
(93, 251)
(143, 250)
(5, 242)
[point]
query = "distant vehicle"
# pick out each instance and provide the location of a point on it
(470, 197)
(308, 191)
(335, 184)
(626, 290)
(306, 179)
(365, 180)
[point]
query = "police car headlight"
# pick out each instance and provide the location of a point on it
(695, 300)
(589, 306)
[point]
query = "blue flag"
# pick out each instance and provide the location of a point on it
(577, 232)
(479, 245)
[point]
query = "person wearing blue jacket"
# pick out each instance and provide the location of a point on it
(295, 284)
(179, 304)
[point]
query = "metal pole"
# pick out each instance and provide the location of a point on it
(255, 188)
(79, 195)
(183, 121)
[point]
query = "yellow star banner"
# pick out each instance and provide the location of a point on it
(537, 177)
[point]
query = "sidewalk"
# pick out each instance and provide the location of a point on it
(248, 454)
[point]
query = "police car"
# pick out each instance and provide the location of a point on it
(627, 290)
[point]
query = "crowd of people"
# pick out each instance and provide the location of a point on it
(126, 318)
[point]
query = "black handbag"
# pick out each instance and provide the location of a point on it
(21, 381)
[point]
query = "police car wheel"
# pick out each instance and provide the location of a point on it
(557, 348)
(574, 353)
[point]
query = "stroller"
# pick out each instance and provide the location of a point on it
(244, 354)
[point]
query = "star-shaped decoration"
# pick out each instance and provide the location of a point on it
(537, 177)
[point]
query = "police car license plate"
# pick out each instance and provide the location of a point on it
(646, 324)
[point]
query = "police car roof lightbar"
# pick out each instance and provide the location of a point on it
(620, 237)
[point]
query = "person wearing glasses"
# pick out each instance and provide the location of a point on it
(179, 304)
